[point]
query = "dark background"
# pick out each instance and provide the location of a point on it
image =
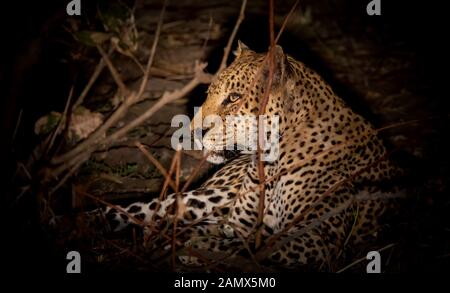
(33, 78)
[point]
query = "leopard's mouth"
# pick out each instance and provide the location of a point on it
(234, 152)
(223, 156)
(217, 155)
(231, 154)
(226, 154)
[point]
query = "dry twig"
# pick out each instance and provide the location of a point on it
(157, 164)
(98, 69)
(364, 258)
(227, 50)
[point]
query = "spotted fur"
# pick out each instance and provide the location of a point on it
(326, 186)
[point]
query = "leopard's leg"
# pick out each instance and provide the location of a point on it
(308, 249)
(374, 206)
(204, 204)
(304, 244)
(312, 248)
(316, 233)
(321, 246)
(210, 201)
(366, 205)
(208, 245)
(311, 245)
(379, 194)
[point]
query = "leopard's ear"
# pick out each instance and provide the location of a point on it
(241, 49)
(281, 64)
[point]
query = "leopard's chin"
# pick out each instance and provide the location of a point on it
(215, 158)
(220, 157)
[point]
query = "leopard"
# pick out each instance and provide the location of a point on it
(325, 189)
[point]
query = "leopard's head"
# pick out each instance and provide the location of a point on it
(234, 99)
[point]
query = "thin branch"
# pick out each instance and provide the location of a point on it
(247, 248)
(364, 258)
(152, 50)
(116, 76)
(115, 207)
(177, 207)
(245, 95)
(98, 69)
(271, 24)
(155, 162)
(167, 97)
(270, 243)
(16, 128)
(286, 19)
(161, 194)
(227, 49)
(130, 100)
(67, 176)
(138, 64)
(71, 157)
(60, 123)
(261, 135)
(195, 172)
(208, 36)
(87, 146)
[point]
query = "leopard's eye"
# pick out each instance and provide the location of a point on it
(233, 97)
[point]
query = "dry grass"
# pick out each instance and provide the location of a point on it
(63, 165)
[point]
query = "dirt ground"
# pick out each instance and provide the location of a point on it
(386, 68)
